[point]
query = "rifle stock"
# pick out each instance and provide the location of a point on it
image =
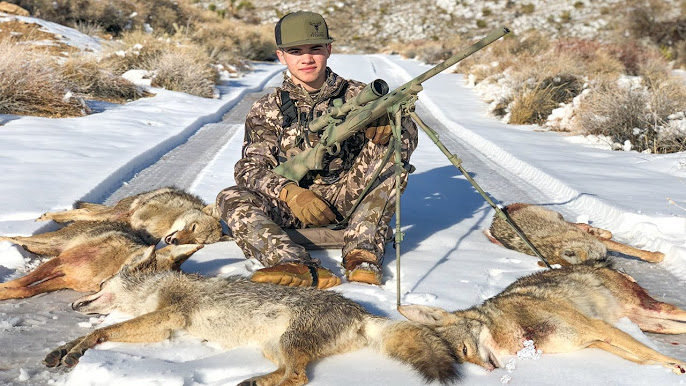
(342, 122)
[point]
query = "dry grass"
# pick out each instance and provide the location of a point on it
(85, 76)
(432, 51)
(511, 52)
(32, 85)
(532, 105)
(635, 113)
(135, 50)
(232, 42)
(186, 70)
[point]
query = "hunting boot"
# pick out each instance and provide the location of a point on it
(297, 275)
(362, 266)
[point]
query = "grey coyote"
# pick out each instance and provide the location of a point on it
(561, 310)
(294, 326)
(559, 241)
(86, 253)
(169, 213)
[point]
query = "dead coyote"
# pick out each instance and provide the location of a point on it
(86, 254)
(168, 213)
(294, 326)
(559, 241)
(561, 310)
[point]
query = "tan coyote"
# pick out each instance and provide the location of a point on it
(293, 326)
(559, 241)
(86, 253)
(168, 213)
(561, 310)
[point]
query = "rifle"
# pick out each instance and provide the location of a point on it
(343, 120)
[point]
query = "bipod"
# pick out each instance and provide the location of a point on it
(457, 162)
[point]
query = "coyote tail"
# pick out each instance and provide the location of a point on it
(414, 344)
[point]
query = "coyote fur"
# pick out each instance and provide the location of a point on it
(293, 326)
(559, 241)
(561, 310)
(86, 253)
(168, 213)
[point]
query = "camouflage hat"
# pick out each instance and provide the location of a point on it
(300, 28)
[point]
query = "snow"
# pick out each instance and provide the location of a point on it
(47, 164)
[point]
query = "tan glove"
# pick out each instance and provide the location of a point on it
(379, 131)
(306, 206)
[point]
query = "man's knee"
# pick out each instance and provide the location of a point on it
(231, 199)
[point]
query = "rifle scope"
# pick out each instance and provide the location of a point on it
(374, 90)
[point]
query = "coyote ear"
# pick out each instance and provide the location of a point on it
(142, 262)
(172, 256)
(211, 210)
(573, 255)
(431, 316)
(180, 253)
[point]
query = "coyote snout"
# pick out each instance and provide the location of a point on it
(559, 241)
(561, 310)
(168, 214)
(292, 325)
(86, 253)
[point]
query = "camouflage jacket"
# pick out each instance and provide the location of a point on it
(266, 143)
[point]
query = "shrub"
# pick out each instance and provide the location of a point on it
(231, 41)
(591, 54)
(631, 112)
(135, 50)
(532, 105)
(31, 84)
(86, 77)
(185, 69)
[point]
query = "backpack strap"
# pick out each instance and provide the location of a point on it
(288, 109)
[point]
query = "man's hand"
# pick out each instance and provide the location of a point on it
(379, 131)
(306, 206)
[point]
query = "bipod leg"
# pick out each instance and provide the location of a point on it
(397, 140)
(457, 162)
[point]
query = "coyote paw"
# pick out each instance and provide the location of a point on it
(54, 358)
(65, 355)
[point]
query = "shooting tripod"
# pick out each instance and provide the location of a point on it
(408, 108)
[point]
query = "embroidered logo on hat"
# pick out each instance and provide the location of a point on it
(300, 28)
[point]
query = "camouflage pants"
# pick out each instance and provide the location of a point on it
(256, 221)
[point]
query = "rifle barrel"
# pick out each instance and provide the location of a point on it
(488, 39)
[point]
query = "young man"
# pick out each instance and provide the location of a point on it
(264, 203)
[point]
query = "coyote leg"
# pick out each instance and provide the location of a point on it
(90, 212)
(651, 257)
(273, 378)
(152, 327)
(45, 244)
(291, 372)
(659, 325)
(45, 271)
(618, 342)
(50, 284)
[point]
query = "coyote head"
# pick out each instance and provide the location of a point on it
(123, 292)
(195, 226)
(469, 339)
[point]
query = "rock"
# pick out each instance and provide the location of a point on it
(13, 9)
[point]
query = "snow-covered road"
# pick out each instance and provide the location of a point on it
(447, 261)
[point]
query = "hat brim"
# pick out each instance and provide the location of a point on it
(305, 42)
